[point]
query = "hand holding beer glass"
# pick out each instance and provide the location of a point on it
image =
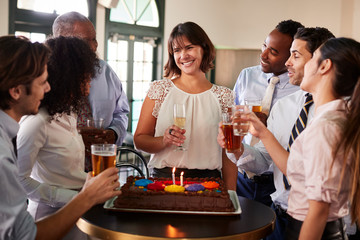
(255, 106)
(103, 156)
(179, 119)
(240, 126)
(232, 142)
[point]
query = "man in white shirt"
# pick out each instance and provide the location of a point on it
(281, 121)
(252, 83)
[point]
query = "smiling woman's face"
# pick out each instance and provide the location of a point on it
(188, 57)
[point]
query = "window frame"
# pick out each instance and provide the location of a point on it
(138, 31)
(39, 22)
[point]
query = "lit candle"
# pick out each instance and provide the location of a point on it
(173, 175)
(181, 179)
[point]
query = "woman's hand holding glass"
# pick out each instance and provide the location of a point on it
(174, 136)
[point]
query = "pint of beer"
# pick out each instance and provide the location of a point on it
(254, 104)
(232, 142)
(103, 156)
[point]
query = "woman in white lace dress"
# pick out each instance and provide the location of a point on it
(191, 55)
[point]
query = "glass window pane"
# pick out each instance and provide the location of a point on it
(150, 17)
(121, 14)
(34, 37)
(141, 12)
(55, 6)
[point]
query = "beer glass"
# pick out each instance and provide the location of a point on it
(240, 126)
(103, 156)
(232, 142)
(254, 104)
(179, 119)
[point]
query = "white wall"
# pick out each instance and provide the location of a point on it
(4, 17)
(245, 24)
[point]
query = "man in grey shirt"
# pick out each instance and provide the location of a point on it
(23, 83)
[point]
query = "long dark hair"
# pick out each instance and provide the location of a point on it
(344, 54)
(197, 36)
(71, 64)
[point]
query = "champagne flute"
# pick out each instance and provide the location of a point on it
(179, 120)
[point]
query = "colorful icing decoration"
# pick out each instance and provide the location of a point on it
(156, 186)
(210, 184)
(142, 182)
(194, 187)
(174, 188)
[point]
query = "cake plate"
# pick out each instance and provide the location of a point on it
(109, 204)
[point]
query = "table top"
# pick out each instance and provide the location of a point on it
(255, 222)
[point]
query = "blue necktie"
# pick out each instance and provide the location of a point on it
(299, 126)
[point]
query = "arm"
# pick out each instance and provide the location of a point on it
(109, 101)
(274, 148)
(96, 190)
(253, 159)
(315, 221)
(144, 136)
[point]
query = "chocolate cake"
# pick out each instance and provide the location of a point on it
(197, 194)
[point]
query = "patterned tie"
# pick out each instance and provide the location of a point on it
(299, 126)
(84, 113)
(266, 102)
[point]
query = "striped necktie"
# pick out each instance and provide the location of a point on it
(299, 126)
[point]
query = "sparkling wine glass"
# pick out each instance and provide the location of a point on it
(179, 119)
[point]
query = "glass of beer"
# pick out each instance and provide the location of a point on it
(103, 156)
(240, 126)
(232, 142)
(254, 104)
(179, 119)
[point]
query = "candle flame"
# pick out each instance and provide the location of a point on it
(182, 173)
(174, 168)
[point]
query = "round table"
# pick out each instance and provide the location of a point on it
(255, 222)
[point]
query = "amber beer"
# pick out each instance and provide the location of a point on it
(232, 142)
(103, 156)
(102, 161)
(256, 108)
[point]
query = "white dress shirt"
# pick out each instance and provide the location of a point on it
(50, 158)
(252, 83)
(281, 120)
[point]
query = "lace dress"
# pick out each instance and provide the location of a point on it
(203, 114)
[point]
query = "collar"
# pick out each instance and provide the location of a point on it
(8, 124)
(284, 79)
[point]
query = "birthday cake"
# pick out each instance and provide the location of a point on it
(194, 194)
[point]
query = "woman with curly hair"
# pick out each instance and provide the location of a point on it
(50, 149)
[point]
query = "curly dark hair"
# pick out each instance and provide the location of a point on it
(70, 66)
(289, 27)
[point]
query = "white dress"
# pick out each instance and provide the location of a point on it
(203, 114)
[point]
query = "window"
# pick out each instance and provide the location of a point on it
(139, 12)
(34, 18)
(55, 6)
(134, 48)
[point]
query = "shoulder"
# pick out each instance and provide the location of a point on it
(33, 123)
(159, 88)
